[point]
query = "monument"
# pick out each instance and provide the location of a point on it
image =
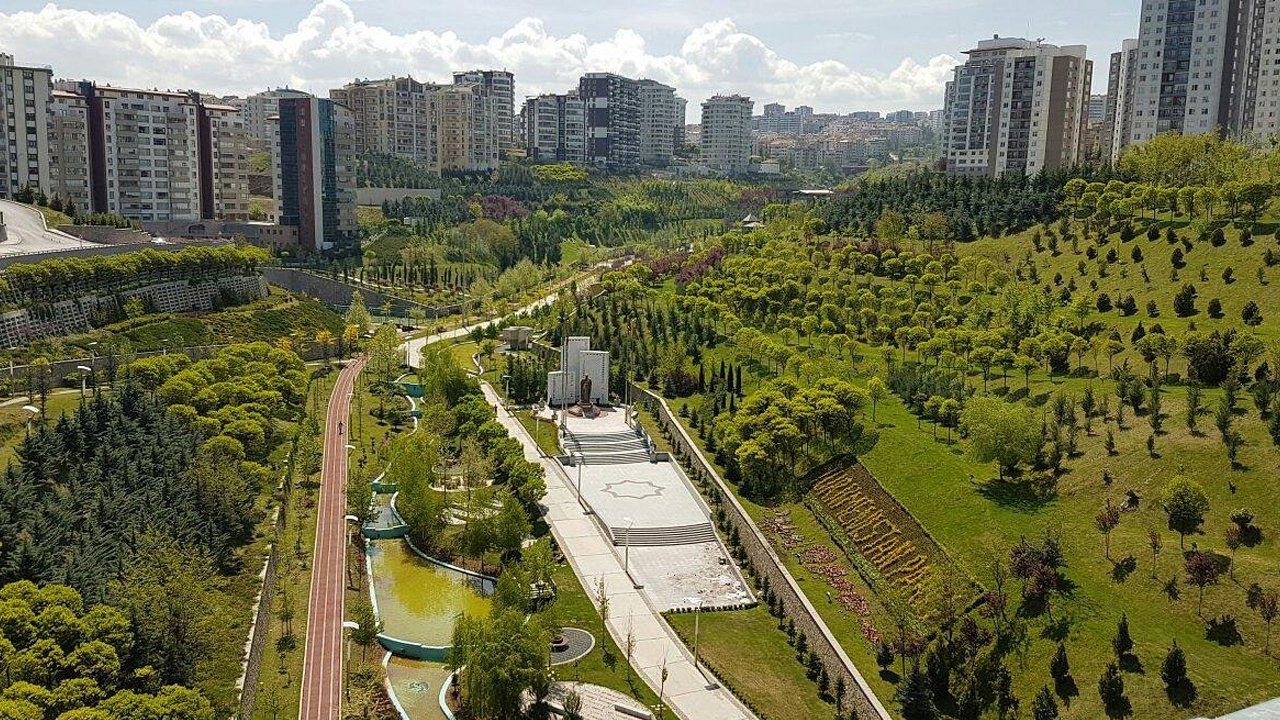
(583, 377)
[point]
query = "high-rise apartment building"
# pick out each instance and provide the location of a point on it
(259, 109)
(1117, 122)
(24, 133)
(612, 105)
(555, 128)
(1017, 105)
(501, 86)
(223, 162)
(660, 113)
(394, 116)
(149, 155)
(726, 133)
(69, 169)
(466, 122)
(313, 160)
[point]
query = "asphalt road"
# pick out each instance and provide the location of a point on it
(27, 233)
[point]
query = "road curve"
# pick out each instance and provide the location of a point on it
(322, 660)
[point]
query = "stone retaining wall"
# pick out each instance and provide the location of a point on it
(258, 640)
(762, 560)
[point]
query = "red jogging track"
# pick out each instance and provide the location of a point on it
(322, 662)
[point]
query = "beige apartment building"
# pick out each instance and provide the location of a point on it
(69, 171)
(726, 134)
(394, 116)
(259, 109)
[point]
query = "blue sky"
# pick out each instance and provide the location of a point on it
(838, 56)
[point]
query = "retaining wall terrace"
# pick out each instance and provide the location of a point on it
(762, 560)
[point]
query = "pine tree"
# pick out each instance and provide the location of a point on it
(1044, 707)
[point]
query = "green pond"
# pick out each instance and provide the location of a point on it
(419, 600)
(417, 686)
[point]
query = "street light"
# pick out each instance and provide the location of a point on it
(626, 553)
(84, 374)
(697, 613)
(578, 460)
(34, 412)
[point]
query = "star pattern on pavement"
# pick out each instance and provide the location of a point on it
(632, 489)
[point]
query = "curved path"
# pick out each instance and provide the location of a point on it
(28, 234)
(322, 661)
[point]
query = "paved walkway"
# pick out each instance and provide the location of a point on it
(592, 557)
(322, 661)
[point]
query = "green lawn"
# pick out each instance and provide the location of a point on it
(750, 654)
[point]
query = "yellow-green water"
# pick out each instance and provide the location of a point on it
(418, 600)
(417, 686)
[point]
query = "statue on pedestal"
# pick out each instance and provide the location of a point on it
(584, 390)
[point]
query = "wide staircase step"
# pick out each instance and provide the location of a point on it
(664, 536)
(626, 458)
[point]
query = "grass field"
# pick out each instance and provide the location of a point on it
(752, 657)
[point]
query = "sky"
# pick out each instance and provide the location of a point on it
(835, 55)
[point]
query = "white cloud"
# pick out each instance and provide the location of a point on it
(331, 45)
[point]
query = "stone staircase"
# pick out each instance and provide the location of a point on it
(617, 448)
(664, 536)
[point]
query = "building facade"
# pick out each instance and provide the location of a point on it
(660, 114)
(466, 122)
(499, 85)
(1017, 105)
(24, 133)
(555, 129)
(259, 109)
(223, 163)
(69, 168)
(1117, 123)
(726, 134)
(394, 116)
(612, 104)
(313, 162)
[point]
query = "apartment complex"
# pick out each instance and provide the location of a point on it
(24, 133)
(1198, 67)
(69, 171)
(258, 111)
(1117, 121)
(500, 85)
(555, 128)
(313, 161)
(726, 134)
(1017, 105)
(394, 116)
(223, 162)
(467, 134)
(661, 112)
(612, 104)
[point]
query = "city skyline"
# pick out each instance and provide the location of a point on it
(887, 56)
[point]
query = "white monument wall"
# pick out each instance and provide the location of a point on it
(595, 365)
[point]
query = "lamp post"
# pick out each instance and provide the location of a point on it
(506, 384)
(578, 460)
(35, 411)
(626, 552)
(84, 374)
(697, 613)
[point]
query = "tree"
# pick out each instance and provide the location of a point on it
(1122, 643)
(1105, 522)
(358, 315)
(1005, 433)
(504, 656)
(1266, 606)
(1251, 315)
(1173, 672)
(365, 635)
(325, 340)
(1185, 503)
(1202, 571)
(1044, 707)
(1111, 690)
(1155, 542)
(876, 392)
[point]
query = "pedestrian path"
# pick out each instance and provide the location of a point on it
(593, 557)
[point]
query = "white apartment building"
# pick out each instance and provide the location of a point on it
(395, 116)
(726, 134)
(555, 128)
(24, 138)
(501, 86)
(660, 113)
(224, 164)
(1017, 105)
(259, 109)
(70, 174)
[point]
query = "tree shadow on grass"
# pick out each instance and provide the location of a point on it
(1066, 689)
(1122, 570)
(1014, 493)
(1119, 708)
(1057, 630)
(1130, 663)
(1224, 631)
(890, 676)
